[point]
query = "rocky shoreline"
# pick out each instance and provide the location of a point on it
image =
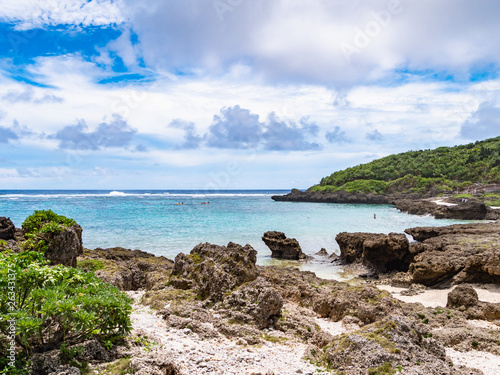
(415, 204)
(215, 311)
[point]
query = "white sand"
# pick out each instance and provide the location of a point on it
(443, 203)
(488, 363)
(438, 297)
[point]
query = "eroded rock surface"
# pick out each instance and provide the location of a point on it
(128, 269)
(379, 252)
(7, 229)
(283, 247)
(456, 254)
(213, 270)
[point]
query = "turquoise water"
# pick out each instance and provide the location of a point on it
(153, 221)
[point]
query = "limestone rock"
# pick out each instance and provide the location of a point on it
(462, 295)
(65, 246)
(258, 300)
(380, 252)
(130, 269)
(283, 247)
(7, 229)
(213, 270)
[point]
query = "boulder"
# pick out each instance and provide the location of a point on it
(256, 301)
(155, 363)
(462, 295)
(213, 270)
(283, 247)
(380, 252)
(64, 246)
(322, 252)
(7, 229)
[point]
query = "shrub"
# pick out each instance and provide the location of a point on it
(39, 226)
(45, 219)
(57, 304)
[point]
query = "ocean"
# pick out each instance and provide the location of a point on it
(166, 222)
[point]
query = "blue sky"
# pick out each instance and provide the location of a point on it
(236, 94)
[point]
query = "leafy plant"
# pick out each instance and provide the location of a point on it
(57, 304)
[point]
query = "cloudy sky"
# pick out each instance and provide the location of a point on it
(235, 94)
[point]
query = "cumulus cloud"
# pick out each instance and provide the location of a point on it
(331, 42)
(116, 133)
(191, 137)
(238, 128)
(235, 127)
(7, 135)
(337, 136)
(30, 14)
(28, 95)
(482, 124)
(282, 136)
(374, 135)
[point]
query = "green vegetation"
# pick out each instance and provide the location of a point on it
(39, 226)
(446, 169)
(41, 219)
(55, 305)
(386, 368)
(90, 264)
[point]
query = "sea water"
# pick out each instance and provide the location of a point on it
(168, 222)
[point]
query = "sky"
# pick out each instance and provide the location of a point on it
(236, 94)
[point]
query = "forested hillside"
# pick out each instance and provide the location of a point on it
(444, 169)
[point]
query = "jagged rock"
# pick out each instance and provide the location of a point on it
(393, 340)
(154, 363)
(322, 252)
(462, 295)
(456, 254)
(213, 270)
(365, 302)
(283, 247)
(257, 300)
(380, 252)
(7, 229)
(332, 197)
(130, 269)
(45, 363)
(65, 246)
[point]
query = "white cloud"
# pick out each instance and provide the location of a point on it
(30, 14)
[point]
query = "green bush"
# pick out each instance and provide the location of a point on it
(39, 227)
(52, 305)
(45, 221)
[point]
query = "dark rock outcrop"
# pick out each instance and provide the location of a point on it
(322, 252)
(456, 254)
(128, 269)
(465, 298)
(470, 210)
(213, 270)
(283, 247)
(64, 246)
(332, 197)
(7, 229)
(379, 252)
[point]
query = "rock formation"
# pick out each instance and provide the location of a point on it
(7, 229)
(379, 252)
(456, 254)
(283, 247)
(213, 270)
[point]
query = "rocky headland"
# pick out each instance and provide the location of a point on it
(215, 310)
(443, 207)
